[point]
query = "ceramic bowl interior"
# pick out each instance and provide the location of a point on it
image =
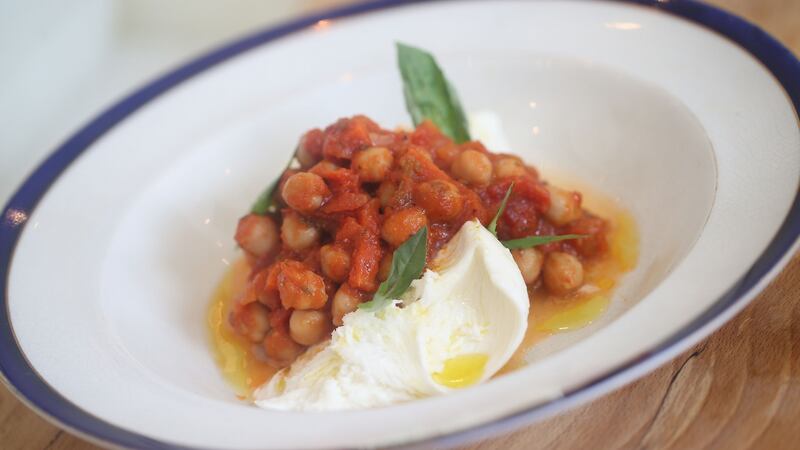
(113, 273)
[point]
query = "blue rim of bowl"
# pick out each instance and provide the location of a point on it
(25, 382)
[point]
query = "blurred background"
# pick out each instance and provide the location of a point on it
(65, 61)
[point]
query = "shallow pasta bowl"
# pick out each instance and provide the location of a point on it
(110, 250)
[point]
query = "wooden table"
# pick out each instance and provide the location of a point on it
(738, 389)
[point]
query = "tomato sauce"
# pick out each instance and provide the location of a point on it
(245, 369)
(359, 192)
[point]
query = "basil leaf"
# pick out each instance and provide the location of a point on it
(493, 224)
(429, 95)
(408, 263)
(265, 202)
(533, 241)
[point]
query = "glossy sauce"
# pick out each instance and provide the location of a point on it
(234, 354)
(549, 314)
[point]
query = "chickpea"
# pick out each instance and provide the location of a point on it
(529, 261)
(267, 296)
(252, 322)
(345, 301)
(417, 164)
(509, 168)
(472, 167)
(300, 288)
(562, 273)
(386, 192)
(309, 149)
(565, 206)
(595, 230)
(399, 226)
(309, 327)
(440, 199)
(280, 347)
(372, 164)
(305, 192)
(296, 233)
(324, 167)
(444, 155)
(335, 262)
(257, 235)
(385, 266)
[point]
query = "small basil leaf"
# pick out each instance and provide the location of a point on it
(493, 224)
(408, 262)
(533, 241)
(429, 95)
(265, 203)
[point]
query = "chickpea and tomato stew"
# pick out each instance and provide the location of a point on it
(361, 191)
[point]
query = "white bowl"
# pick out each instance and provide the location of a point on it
(110, 258)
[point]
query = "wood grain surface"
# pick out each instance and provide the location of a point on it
(739, 389)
